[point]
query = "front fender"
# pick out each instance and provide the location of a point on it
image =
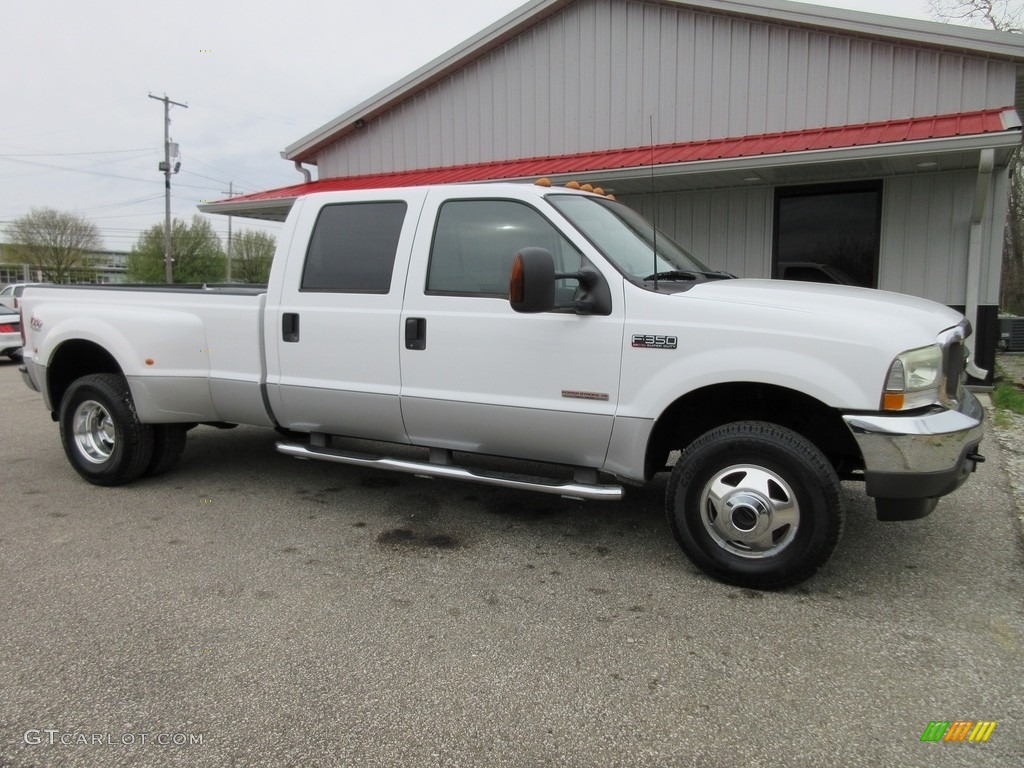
(648, 392)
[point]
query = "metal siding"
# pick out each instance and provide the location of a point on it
(993, 228)
(728, 229)
(594, 75)
(904, 77)
(757, 97)
(925, 231)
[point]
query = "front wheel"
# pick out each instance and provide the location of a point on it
(101, 433)
(755, 504)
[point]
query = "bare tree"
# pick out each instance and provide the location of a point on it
(1004, 15)
(1011, 290)
(252, 252)
(54, 243)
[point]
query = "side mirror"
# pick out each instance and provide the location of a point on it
(531, 285)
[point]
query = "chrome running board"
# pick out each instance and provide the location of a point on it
(572, 490)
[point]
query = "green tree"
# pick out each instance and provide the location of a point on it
(54, 243)
(252, 253)
(195, 250)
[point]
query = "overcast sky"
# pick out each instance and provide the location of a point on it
(79, 133)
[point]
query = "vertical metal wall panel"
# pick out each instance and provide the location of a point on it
(925, 231)
(727, 229)
(598, 73)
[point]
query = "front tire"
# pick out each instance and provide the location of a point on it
(755, 504)
(101, 433)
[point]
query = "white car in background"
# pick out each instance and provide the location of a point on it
(10, 296)
(10, 333)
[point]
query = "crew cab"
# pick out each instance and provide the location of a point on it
(534, 323)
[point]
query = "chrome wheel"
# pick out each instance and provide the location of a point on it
(101, 432)
(750, 511)
(94, 432)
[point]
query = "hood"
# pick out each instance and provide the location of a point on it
(832, 309)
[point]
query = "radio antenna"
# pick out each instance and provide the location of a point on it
(654, 206)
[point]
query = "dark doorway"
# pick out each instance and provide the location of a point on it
(828, 233)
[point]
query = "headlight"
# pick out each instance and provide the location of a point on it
(914, 379)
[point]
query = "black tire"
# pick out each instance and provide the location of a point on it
(168, 445)
(755, 504)
(101, 433)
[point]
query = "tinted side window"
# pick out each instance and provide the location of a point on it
(475, 242)
(353, 247)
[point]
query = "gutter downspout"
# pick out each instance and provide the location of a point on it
(304, 171)
(986, 162)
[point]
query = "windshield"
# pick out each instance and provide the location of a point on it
(628, 240)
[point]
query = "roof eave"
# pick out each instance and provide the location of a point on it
(1007, 140)
(273, 209)
(909, 31)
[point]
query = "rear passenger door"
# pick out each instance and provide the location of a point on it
(333, 338)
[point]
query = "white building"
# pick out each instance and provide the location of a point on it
(768, 138)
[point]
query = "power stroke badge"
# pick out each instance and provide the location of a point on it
(652, 341)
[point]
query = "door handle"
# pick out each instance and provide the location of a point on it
(290, 326)
(415, 333)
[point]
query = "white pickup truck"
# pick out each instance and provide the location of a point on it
(539, 324)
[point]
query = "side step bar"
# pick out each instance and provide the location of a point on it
(572, 490)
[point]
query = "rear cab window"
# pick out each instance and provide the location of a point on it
(353, 247)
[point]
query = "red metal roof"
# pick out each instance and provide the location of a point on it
(865, 134)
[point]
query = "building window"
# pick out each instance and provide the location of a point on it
(828, 233)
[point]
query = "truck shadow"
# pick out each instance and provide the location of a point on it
(406, 514)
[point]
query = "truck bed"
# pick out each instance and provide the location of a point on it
(189, 352)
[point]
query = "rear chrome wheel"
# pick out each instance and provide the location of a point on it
(94, 433)
(100, 431)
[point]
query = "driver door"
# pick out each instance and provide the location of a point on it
(477, 376)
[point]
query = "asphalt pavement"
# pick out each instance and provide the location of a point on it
(249, 609)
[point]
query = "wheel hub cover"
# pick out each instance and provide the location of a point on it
(750, 511)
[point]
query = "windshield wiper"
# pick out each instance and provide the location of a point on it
(674, 274)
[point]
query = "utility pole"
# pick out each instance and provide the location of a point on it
(231, 193)
(165, 166)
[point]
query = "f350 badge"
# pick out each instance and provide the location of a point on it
(654, 341)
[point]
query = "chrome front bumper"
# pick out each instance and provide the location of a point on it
(912, 460)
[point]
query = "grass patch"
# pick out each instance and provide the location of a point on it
(1008, 397)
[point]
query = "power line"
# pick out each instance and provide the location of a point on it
(78, 154)
(95, 173)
